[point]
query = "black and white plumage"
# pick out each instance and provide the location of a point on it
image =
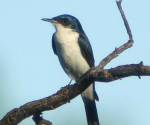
(75, 54)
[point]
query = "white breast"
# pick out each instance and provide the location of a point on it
(69, 52)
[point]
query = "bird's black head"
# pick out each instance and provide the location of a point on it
(67, 21)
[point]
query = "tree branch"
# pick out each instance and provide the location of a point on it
(124, 20)
(123, 47)
(114, 54)
(68, 92)
(122, 72)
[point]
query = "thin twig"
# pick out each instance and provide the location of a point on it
(123, 47)
(124, 20)
(114, 54)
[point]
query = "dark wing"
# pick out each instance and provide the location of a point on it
(53, 44)
(86, 49)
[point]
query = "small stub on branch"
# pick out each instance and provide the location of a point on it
(38, 119)
(139, 69)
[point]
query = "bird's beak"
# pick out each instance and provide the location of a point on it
(48, 20)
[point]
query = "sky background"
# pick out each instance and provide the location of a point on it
(29, 70)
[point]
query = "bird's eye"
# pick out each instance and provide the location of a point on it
(65, 21)
(73, 26)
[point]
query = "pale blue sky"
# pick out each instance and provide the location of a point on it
(29, 70)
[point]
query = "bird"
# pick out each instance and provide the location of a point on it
(75, 54)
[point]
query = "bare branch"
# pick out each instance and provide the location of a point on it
(123, 47)
(122, 72)
(114, 54)
(69, 92)
(124, 20)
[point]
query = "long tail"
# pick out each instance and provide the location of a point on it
(89, 96)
